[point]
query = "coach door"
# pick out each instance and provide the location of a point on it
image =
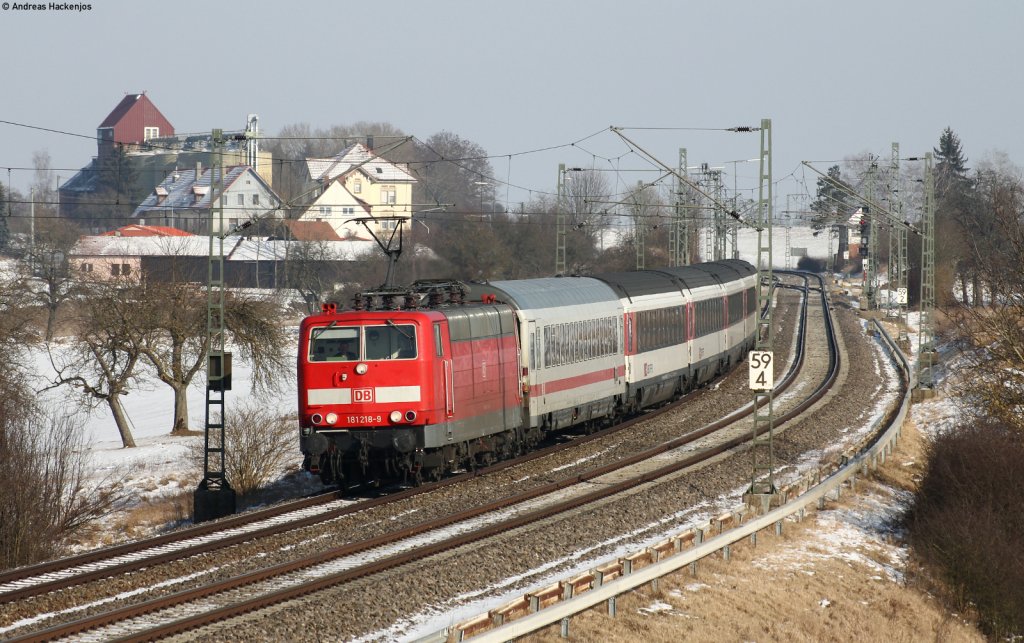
(531, 370)
(691, 326)
(444, 379)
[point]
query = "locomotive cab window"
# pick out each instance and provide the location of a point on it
(394, 341)
(334, 344)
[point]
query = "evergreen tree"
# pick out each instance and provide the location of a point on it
(833, 203)
(950, 164)
(958, 220)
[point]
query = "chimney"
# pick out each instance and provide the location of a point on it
(369, 142)
(199, 170)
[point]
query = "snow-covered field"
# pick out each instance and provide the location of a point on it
(158, 467)
(160, 457)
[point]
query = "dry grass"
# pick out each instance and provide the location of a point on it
(797, 587)
(148, 517)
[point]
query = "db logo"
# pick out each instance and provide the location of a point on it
(362, 395)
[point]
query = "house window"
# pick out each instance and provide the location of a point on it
(121, 269)
(86, 267)
(325, 209)
(388, 225)
(388, 194)
(256, 199)
(348, 210)
(357, 186)
(241, 199)
(150, 132)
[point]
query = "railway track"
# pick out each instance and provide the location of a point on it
(293, 578)
(52, 576)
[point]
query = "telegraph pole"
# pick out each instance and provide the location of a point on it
(638, 224)
(721, 227)
(214, 498)
(560, 223)
(762, 483)
(679, 233)
(898, 246)
(926, 334)
(868, 253)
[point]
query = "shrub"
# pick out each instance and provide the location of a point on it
(45, 492)
(810, 264)
(967, 522)
(260, 443)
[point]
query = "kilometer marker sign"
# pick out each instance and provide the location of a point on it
(762, 374)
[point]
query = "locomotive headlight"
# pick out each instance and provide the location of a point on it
(332, 418)
(396, 416)
(361, 368)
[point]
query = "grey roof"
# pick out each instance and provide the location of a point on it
(182, 189)
(712, 272)
(375, 167)
(548, 292)
(235, 248)
(639, 282)
(85, 180)
(109, 246)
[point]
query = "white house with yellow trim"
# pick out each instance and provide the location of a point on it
(359, 184)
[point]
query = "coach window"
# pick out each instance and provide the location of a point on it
(576, 341)
(438, 345)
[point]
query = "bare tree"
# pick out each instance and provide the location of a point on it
(175, 339)
(45, 270)
(44, 492)
(42, 182)
(587, 201)
(312, 270)
(994, 331)
(454, 171)
(102, 364)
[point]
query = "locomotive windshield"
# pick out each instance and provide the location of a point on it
(334, 344)
(394, 341)
(342, 343)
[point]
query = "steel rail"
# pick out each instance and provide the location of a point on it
(206, 529)
(400, 559)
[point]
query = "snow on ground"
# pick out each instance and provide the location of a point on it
(149, 406)
(858, 531)
(159, 467)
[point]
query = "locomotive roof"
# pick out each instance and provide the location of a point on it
(547, 292)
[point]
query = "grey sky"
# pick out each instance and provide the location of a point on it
(836, 78)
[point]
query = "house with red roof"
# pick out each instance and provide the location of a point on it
(152, 151)
(132, 122)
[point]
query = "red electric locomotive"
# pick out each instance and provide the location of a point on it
(389, 391)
